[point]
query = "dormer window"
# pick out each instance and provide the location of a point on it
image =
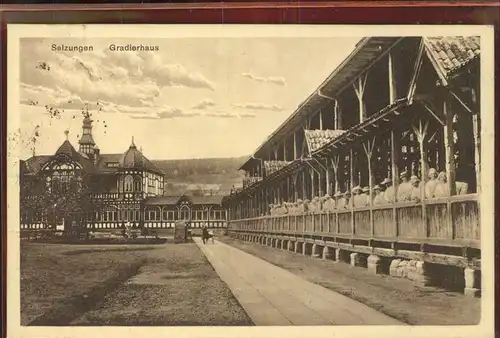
(112, 164)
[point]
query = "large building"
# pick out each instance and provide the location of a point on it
(86, 189)
(382, 160)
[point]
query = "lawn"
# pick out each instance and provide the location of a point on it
(123, 285)
(396, 297)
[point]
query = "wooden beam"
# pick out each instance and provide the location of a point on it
(359, 89)
(392, 79)
(335, 165)
(416, 71)
(433, 114)
(395, 151)
(295, 145)
(284, 150)
(336, 115)
(459, 100)
(449, 147)
(421, 133)
(320, 119)
(351, 169)
(327, 178)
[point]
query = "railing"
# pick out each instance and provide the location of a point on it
(248, 181)
(453, 221)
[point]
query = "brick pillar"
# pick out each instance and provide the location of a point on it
(472, 282)
(374, 264)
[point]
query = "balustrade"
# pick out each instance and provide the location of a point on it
(454, 221)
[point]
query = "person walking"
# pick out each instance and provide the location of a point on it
(204, 234)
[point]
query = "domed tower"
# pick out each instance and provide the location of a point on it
(87, 141)
(132, 158)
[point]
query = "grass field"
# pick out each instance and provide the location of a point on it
(396, 297)
(123, 285)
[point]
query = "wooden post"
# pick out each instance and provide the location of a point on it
(395, 151)
(421, 133)
(477, 150)
(369, 152)
(295, 145)
(392, 79)
(320, 120)
(335, 165)
(359, 89)
(449, 148)
(351, 169)
(295, 191)
(304, 184)
(336, 115)
(327, 178)
(311, 172)
(284, 150)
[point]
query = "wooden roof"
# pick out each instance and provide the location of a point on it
(367, 51)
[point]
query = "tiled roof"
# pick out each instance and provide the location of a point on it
(102, 165)
(162, 200)
(33, 164)
(318, 138)
(133, 158)
(67, 149)
(451, 53)
(273, 166)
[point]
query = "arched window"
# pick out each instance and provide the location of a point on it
(128, 184)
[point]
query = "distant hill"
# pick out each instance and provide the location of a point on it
(182, 175)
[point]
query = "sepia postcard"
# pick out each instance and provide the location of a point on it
(250, 181)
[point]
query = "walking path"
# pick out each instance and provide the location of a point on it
(273, 296)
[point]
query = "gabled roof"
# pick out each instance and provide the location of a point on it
(318, 138)
(449, 54)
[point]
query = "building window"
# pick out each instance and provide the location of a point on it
(112, 164)
(129, 181)
(137, 184)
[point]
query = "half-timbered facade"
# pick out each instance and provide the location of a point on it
(383, 157)
(85, 189)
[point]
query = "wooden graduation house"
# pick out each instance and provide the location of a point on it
(394, 105)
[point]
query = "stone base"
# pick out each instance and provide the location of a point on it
(393, 268)
(314, 251)
(327, 253)
(472, 292)
(374, 264)
(354, 259)
(338, 255)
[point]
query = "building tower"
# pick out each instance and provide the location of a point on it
(87, 141)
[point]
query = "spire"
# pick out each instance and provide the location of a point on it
(66, 132)
(132, 145)
(86, 141)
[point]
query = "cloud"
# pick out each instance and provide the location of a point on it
(230, 116)
(204, 104)
(277, 80)
(124, 78)
(257, 106)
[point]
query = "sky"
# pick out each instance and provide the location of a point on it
(192, 98)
